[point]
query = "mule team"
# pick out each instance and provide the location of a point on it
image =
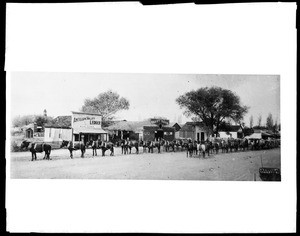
(192, 148)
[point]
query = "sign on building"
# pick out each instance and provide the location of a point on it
(86, 120)
(159, 121)
(87, 126)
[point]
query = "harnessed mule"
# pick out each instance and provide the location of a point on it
(189, 149)
(136, 144)
(73, 146)
(94, 144)
(37, 147)
(107, 146)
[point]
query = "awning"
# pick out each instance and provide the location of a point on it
(254, 136)
(89, 131)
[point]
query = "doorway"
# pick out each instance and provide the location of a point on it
(159, 134)
(202, 136)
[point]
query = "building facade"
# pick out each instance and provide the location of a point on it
(147, 130)
(193, 131)
(33, 130)
(233, 131)
(57, 134)
(151, 133)
(87, 126)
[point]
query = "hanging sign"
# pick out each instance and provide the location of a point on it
(159, 121)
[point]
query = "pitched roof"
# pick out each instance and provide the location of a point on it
(231, 128)
(120, 125)
(176, 126)
(29, 126)
(135, 126)
(57, 126)
(190, 125)
(61, 121)
(199, 123)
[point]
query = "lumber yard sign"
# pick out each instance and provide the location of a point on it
(87, 120)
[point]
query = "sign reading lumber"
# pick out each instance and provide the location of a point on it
(86, 120)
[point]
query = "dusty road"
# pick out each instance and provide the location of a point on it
(240, 166)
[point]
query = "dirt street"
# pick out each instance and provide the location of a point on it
(164, 166)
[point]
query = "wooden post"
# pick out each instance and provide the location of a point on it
(261, 161)
(72, 137)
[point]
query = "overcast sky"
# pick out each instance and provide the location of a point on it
(149, 94)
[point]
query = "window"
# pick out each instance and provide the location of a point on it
(49, 132)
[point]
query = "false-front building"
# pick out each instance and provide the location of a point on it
(87, 126)
(78, 127)
(147, 130)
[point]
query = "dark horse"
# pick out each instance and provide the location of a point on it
(94, 144)
(126, 145)
(135, 144)
(37, 147)
(73, 147)
(153, 144)
(123, 146)
(189, 148)
(205, 148)
(104, 146)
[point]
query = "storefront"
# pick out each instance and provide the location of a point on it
(158, 130)
(87, 126)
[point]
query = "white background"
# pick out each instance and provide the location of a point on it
(183, 38)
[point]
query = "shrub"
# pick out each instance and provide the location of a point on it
(15, 147)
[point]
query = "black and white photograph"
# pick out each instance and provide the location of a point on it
(145, 126)
(135, 118)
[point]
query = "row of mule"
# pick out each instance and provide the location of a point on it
(230, 145)
(34, 148)
(192, 148)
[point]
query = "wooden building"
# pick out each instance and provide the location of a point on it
(30, 130)
(177, 128)
(122, 130)
(194, 131)
(151, 133)
(87, 126)
(232, 131)
(147, 130)
(57, 133)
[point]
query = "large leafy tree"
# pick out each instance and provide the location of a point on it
(213, 106)
(106, 104)
(41, 120)
(20, 121)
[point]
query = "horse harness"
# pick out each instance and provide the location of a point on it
(35, 147)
